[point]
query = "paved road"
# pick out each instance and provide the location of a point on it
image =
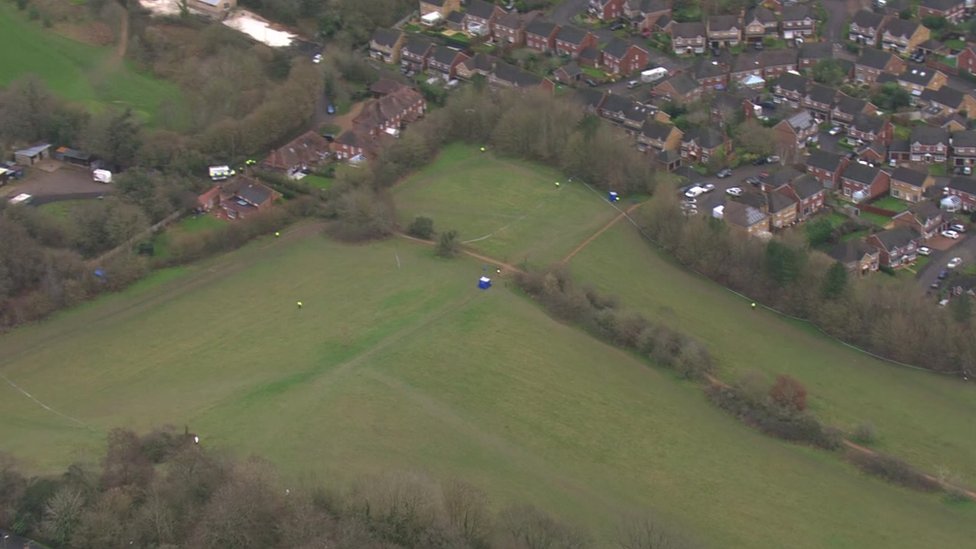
(966, 249)
(838, 13)
(708, 201)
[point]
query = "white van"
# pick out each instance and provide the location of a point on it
(101, 176)
(650, 75)
(220, 173)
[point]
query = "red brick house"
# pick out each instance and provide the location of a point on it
(872, 63)
(953, 10)
(606, 10)
(966, 60)
(621, 57)
(445, 60)
(793, 132)
(866, 28)
(898, 247)
(385, 45)
(798, 22)
(870, 129)
(479, 17)
(861, 183)
(416, 52)
(388, 114)
(759, 23)
(305, 151)
(644, 14)
(826, 167)
(541, 36)
(963, 145)
(349, 145)
(723, 31)
(846, 108)
(701, 144)
(510, 29)
(237, 198)
(925, 218)
(819, 100)
(965, 189)
(510, 76)
(678, 88)
(791, 87)
(857, 256)
(929, 144)
(808, 193)
(571, 41)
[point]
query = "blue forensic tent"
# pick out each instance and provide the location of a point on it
(484, 283)
(612, 196)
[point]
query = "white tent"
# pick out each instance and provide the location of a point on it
(753, 81)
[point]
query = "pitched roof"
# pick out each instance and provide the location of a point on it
(929, 135)
(480, 62)
(897, 237)
(964, 139)
(510, 20)
(386, 37)
(456, 17)
(445, 55)
(793, 82)
(851, 251)
(776, 58)
(707, 138)
(722, 22)
(901, 28)
(820, 93)
(796, 12)
(918, 74)
(571, 69)
(779, 201)
(709, 68)
(760, 14)
(251, 191)
(688, 30)
(417, 45)
(352, 139)
(850, 105)
(617, 48)
(868, 123)
(946, 96)
(307, 148)
(800, 120)
(860, 173)
(516, 76)
(590, 97)
(824, 160)
(379, 112)
(926, 210)
(541, 27)
(659, 131)
(781, 177)
(742, 215)
(571, 34)
(963, 184)
(909, 176)
(480, 8)
(806, 186)
(867, 19)
(874, 58)
(384, 86)
(681, 83)
(590, 53)
(616, 103)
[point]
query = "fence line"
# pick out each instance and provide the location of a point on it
(647, 237)
(132, 241)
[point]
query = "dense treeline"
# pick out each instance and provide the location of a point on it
(884, 315)
(164, 490)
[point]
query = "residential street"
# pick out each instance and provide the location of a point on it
(709, 200)
(966, 249)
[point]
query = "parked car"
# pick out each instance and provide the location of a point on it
(633, 84)
(936, 285)
(694, 192)
(943, 302)
(754, 181)
(330, 109)
(772, 159)
(707, 187)
(834, 131)
(759, 161)
(723, 173)
(317, 58)
(688, 201)
(734, 191)
(591, 83)
(954, 262)
(943, 274)
(924, 250)
(958, 227)
(617, 26)
(949, 233)
(759, 46)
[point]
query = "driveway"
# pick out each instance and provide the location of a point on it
(964, 248)
(838, 13)
(709, 200)
(52, 178)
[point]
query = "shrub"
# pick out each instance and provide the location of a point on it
(449, 244)
(789, 393)
(893, 470)
(422, 227)
(864, 433)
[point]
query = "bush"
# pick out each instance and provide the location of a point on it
(893, 470)
(789, 393)
(449, 244)
(422, 227)
(864, 433)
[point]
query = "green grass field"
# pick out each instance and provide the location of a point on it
(922, 417)
(422, 371)
(80, 72)
(318, 181)
(187, 225)
(508, 209)
(63, 209)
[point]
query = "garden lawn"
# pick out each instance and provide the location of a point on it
(891, 203)
(80, 72)
(397, 361)
(925, 418)
(62, 209)
(508, 209)
(188, 225)
(318, 181)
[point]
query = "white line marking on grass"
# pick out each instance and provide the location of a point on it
(397, 256)
(492, 233)
(41, 404)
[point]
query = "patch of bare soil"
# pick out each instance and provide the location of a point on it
(95, 33)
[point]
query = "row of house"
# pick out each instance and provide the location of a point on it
(890, 33)
(721, 31)
(787, 197)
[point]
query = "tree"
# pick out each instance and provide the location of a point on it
(755, 138)
(829, 72)
(835, 282)
(648, 533)
(789, 393)
(61, 515)
(422, 227)
(962, 308)
(783, 263)
(891, 97)
(819, 231)
(526, 527)
(449, 244)
(114, 137)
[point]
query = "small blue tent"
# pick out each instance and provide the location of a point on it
(612, 196)
(484, 283)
